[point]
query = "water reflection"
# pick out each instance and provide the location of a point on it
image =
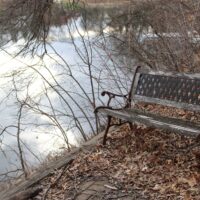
(54, 89)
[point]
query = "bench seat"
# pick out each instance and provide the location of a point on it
(155, 120)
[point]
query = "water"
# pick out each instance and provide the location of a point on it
(55, 89)
(51, 81)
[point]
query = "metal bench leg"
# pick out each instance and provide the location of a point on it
(106, 131)
(130, 126)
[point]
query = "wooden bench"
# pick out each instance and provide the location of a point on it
(178, 90)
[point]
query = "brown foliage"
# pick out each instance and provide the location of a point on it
(158, 165)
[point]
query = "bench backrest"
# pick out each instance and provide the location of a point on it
(178, 90)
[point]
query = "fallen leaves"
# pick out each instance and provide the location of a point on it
(158, 165)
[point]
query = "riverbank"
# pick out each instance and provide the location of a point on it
(141, 164)
(19, 188)
(98, 3)
(106, 3)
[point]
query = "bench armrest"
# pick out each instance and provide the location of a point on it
(112, 96)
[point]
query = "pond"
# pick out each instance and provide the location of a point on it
(47, 99)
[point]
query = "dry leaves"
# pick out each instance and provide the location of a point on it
(158, 165)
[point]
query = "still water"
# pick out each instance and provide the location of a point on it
(54, 90)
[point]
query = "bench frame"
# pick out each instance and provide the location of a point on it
(131, 98)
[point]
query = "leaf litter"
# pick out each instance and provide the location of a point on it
(154, 163)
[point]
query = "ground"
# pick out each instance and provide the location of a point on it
(143, 163)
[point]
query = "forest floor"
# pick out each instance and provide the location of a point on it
(144, 163)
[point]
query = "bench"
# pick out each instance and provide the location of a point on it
(179, 90)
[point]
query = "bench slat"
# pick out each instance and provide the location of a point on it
(164, 102)
(171, 124)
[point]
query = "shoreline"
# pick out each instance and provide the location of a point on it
(107, 4)
(25, 184)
